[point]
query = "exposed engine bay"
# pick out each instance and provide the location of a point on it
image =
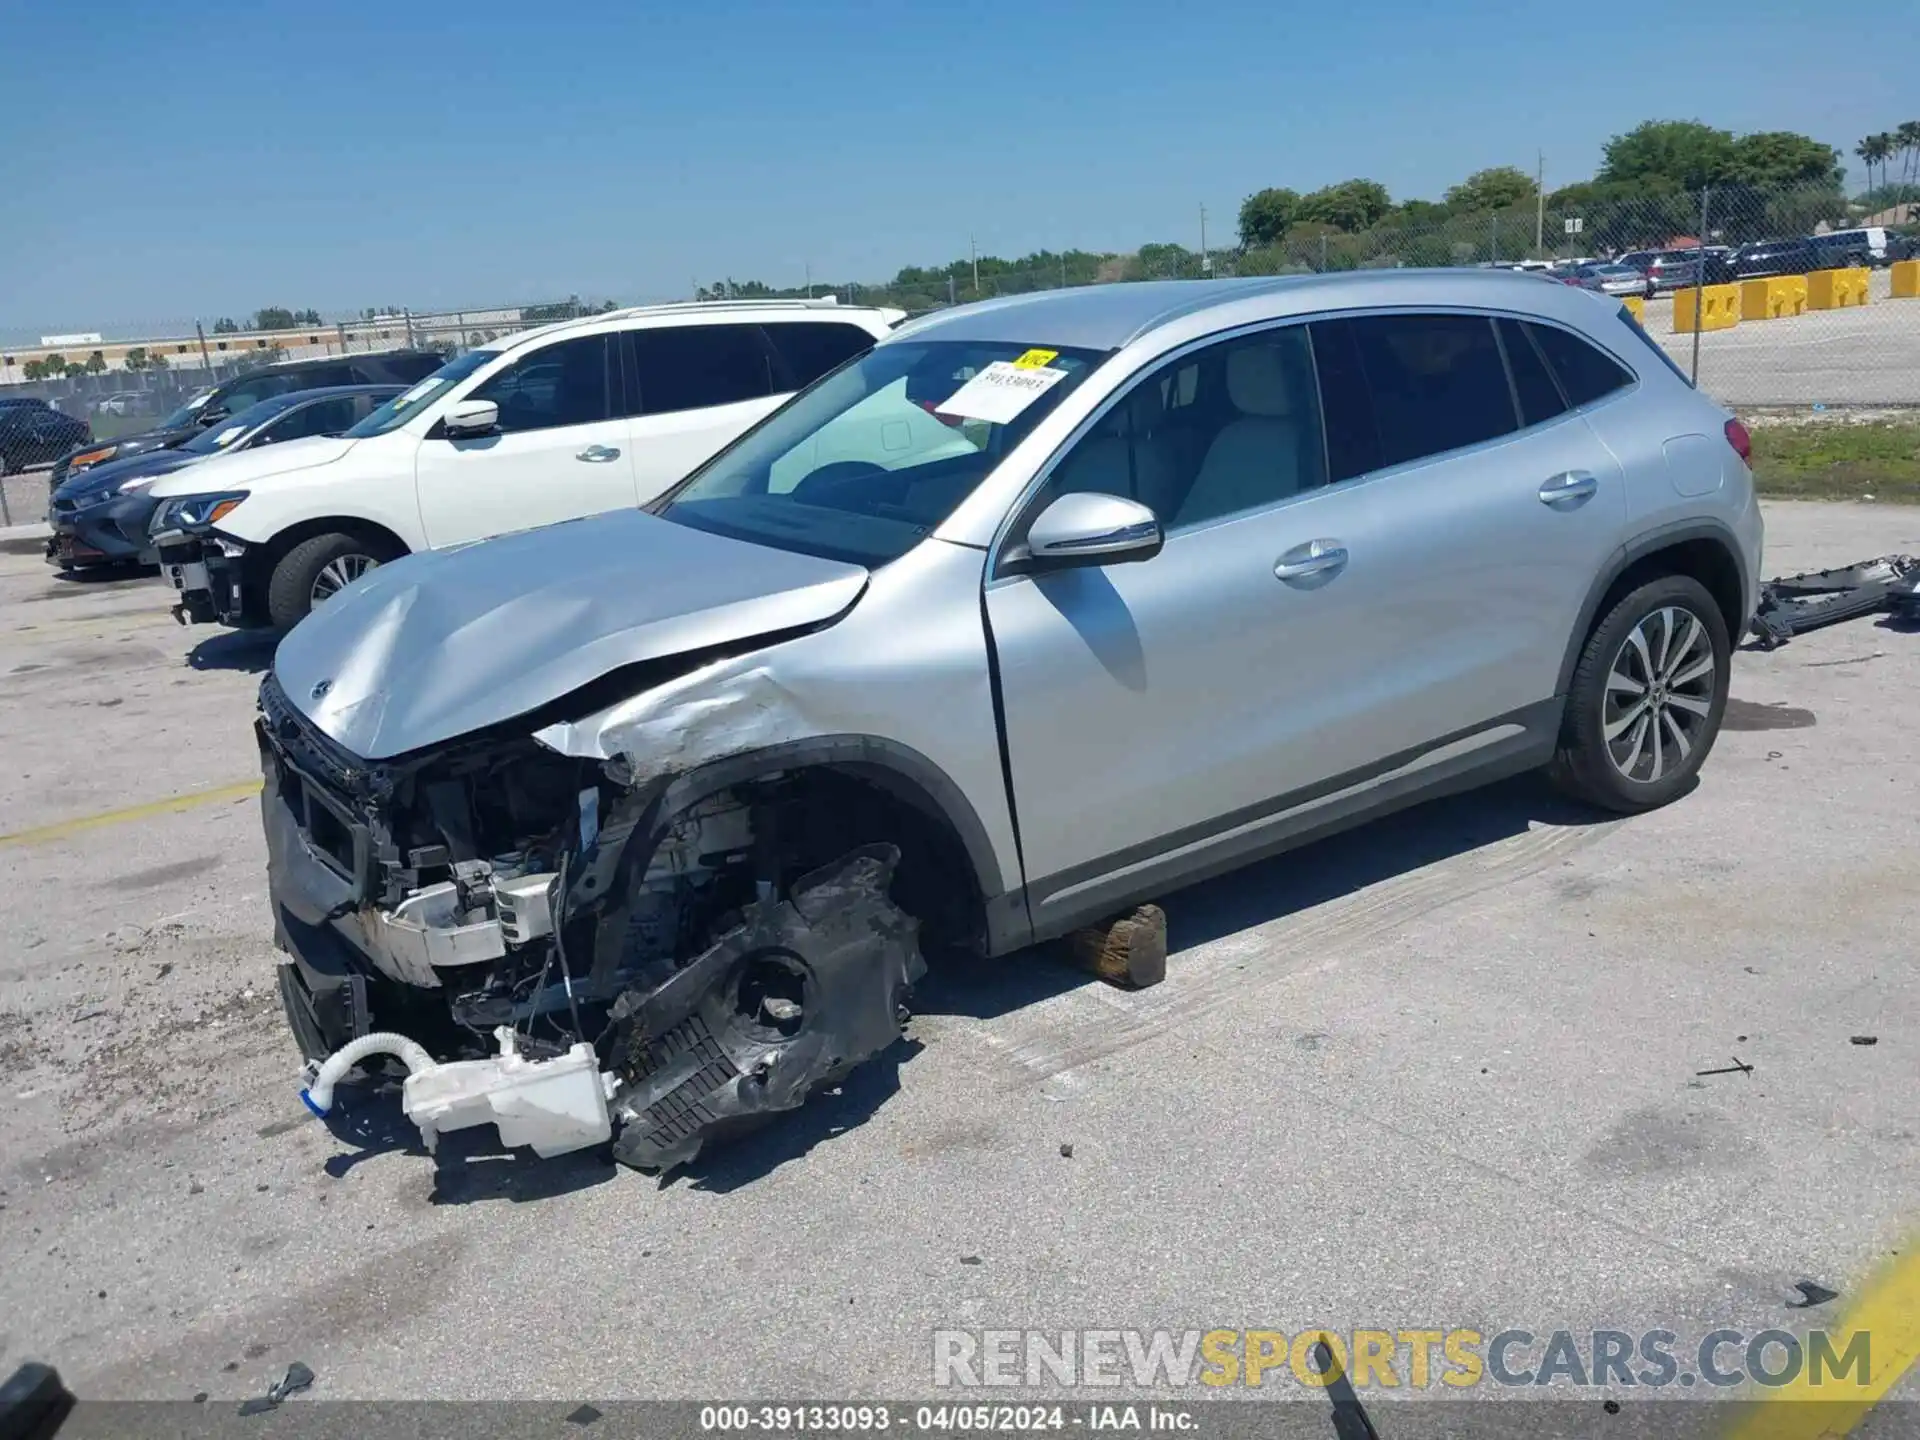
(542, 946)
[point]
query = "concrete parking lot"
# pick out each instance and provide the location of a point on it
(1444, 1071)
(1866, 355)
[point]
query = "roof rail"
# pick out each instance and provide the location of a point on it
(824, 302)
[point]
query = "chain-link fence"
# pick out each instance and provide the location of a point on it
(1803, 306)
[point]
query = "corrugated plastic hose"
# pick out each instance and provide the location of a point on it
(318, 1096)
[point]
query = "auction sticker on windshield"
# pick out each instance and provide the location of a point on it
(1037, 359)
(1000, 392)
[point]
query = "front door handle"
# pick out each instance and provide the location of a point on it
(1570, 485)
(598, 454)
(1315, 560)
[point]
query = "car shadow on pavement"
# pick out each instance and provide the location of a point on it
(1327, 869)
(250, 651)
(104, 575)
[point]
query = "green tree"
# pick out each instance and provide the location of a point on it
(1875, 150)
(1500, 188)
(1168, 262)
(54, 364)
(224, 326)
(1907, 139)
(1266, 215)
(96, 364)
(1781, 160)
(307, 317)
(1351, 205)
(1668, 155)
(273, 317)
(34, 370)
(136, 358)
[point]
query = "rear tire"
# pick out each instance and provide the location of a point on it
(315, 569)
(1648, 693)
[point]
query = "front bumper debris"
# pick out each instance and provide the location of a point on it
(1795, 604)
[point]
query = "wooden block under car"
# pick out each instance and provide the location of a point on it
(1129, 951)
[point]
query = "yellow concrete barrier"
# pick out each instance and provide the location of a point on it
(1836, 289)
(1638, 305)
(1905, 275)
(1719, 310)
(1773, 297)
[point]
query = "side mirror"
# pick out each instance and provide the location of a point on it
(471, 417)
(1090, 529)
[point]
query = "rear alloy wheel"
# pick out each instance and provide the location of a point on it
(316, 570)
(1647, 696)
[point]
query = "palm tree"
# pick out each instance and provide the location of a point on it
(1874, 151)
(1907, 137)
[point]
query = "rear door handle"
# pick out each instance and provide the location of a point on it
(1570, 485)
(598, 454)
(1313, 560)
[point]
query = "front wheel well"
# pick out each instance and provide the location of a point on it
(390, 545)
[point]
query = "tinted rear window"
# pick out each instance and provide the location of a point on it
(1585, 372)
(811, 348)
(1437, 383)
(695, 367)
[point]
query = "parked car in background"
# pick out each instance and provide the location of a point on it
(1157, 595)
(120, 402)
(32, 432)
(1609, 279)
(1670, 270)
(230, 397)
(1762, 258)
(600, 413)
(101, 515)
(1849, 249)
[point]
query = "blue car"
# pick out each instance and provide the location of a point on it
(99, 516)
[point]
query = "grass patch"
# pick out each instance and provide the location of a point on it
(1839, 460)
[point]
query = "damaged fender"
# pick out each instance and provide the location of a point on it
(785, 1003)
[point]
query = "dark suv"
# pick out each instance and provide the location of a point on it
(32, 432)
(230, 397)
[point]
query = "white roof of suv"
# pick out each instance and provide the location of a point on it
(704, 312)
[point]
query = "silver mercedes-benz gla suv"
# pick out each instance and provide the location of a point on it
(1042, 607)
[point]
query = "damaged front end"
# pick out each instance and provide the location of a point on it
(564, 955)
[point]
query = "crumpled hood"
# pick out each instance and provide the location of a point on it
(445, 642)
(110, 475)
(243, 469)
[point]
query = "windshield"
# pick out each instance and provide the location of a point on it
(216, 438)
(870, 460)
(403, 407)
(187, 413)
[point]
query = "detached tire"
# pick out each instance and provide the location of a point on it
(316, 569)
(1648, 693)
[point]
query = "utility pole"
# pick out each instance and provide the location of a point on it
(952, 299)
(973, 255)
(1540, 205)
(205, 358)
(1206, 264)
(809, 280)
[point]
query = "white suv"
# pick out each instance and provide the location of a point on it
(572, 419)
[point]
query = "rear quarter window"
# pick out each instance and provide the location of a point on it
(1586, 372)
(811, 348)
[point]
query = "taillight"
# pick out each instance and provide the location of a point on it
(1741, 442)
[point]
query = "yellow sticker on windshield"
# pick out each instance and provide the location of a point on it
(1037, 359)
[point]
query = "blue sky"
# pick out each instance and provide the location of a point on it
(168, 160)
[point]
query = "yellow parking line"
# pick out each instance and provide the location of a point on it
(1888, 1312)
(62, 829)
